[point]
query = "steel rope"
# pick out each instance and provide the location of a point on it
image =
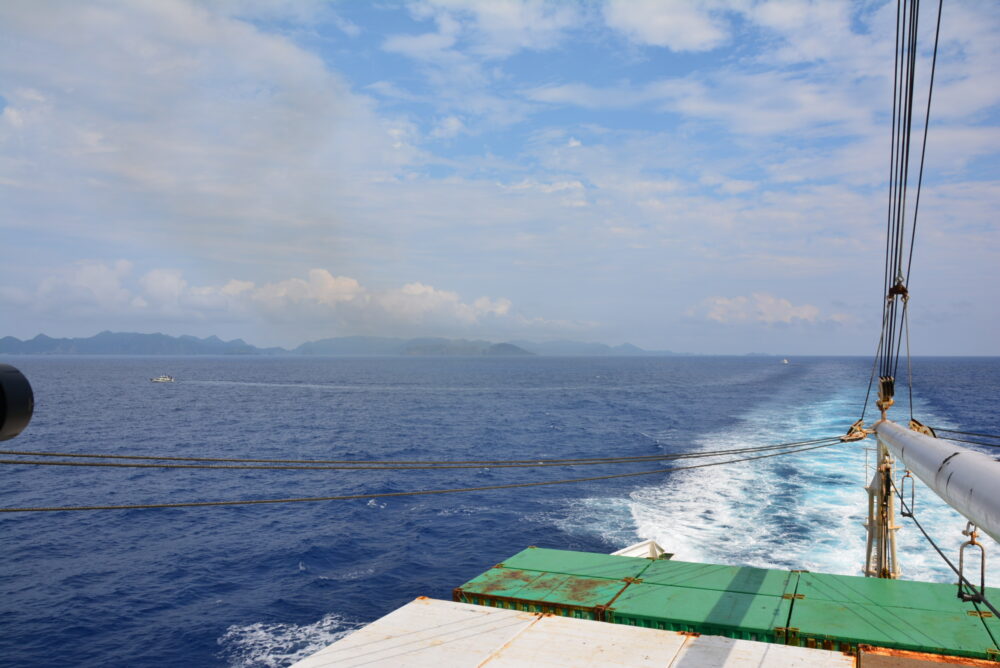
(425, 492)
(930, 540)
(390, 464)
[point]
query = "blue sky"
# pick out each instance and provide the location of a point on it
(702, 177)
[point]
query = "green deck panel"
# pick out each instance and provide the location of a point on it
(740, 602)
(712, 612)
(535, 591)
(991, 622)
(743, 579)
(510, 582)
(882, 592)
(587, 564)
(944, 632)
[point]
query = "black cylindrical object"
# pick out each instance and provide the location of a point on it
(17, 402)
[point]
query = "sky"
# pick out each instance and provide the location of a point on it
(704, 177)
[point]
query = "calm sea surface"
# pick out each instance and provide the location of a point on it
(264, 585)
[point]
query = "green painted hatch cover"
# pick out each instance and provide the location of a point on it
(989, 620)
(511, 583)
(535, 591)
(588, 564)
(742, 579)
(730, 614)
(881, 592)
(944, 632)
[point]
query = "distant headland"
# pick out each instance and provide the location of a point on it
(126, 343)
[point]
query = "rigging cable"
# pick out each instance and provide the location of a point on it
(923, 149)
(422, 467)
(909, 364)
(871, 378)
(916, 209)
(390, 464)
(966, 433)
(962, 440)
(963, 580)
(895, 316)
(424, 492)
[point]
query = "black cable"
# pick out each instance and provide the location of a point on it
(930, 540)
(871, 378)
(880, 355)
(911, 63)
(417, 462)
(988, 627)
(892, 180)
(898, 184)
(923, 150)
(909, 363)
(966, 433)
(895, 282)
(255, 467)
(961, 440)
(347, 497)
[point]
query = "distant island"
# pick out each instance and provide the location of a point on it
(124, 343)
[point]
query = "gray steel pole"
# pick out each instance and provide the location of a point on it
(967, 480)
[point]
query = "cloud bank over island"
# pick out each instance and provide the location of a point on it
(317, 303)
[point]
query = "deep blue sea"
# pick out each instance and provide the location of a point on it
(265, 585)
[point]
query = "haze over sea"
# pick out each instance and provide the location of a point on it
(264, 585)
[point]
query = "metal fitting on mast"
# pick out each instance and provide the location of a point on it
(856, 432)
(971, 594)
(921, 428)
(886, 391)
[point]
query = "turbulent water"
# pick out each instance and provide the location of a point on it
(264, 585)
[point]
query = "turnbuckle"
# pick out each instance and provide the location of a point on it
(977, 597)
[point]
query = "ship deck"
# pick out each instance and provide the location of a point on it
(439, 634)
(545, 607)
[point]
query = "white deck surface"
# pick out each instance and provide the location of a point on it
(441, 634)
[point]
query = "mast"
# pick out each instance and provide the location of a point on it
(880, 552)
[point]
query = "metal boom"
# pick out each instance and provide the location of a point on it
(967, 480)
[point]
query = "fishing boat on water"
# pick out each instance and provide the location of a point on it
(162, 379)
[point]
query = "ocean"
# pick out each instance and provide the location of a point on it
(265, 585)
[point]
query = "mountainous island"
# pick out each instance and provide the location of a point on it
(124, 343)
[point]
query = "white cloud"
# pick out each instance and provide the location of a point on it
(449, 127)
(302, 308)
(426, 46)
(210, 125)
(87, 286)
(458, 59)
(763, 103)
(500, 28)
(679, 25)
(763, 309)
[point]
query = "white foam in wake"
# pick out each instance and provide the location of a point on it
(263, 645)
(804, 511)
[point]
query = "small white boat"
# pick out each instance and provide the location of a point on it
(784, 361)
(162, 379)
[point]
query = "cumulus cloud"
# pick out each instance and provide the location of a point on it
(87, 286)
(184, 110)
(679, 25)
(449, 127)
(459, 57)
(503, 27)
(762, 308)
(321, 304)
